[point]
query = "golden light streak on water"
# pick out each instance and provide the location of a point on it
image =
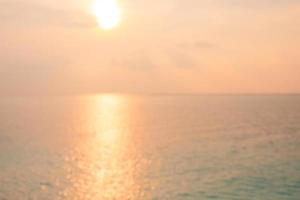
(110, 161)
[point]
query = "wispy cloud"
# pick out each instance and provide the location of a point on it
(196, 44)
(28, 14)
(29, 73)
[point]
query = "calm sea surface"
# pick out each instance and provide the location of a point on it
(114, 147)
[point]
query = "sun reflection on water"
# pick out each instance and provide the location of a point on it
(109, 108)
(108, 162)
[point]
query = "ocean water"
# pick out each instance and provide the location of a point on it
(118, 147)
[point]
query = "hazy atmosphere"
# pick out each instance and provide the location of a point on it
(170, 46)
(150, 99)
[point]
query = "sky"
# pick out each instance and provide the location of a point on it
(171, 46)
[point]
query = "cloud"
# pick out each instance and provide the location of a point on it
(138, 63)
(261, 3)
(30, 14)
(196, 44)
(23, 73)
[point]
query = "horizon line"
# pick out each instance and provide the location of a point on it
(159, 94)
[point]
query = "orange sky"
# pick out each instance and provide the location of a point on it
(170, 46)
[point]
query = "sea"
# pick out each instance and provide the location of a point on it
(150, 147)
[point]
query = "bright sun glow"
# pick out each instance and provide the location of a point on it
(107, 12)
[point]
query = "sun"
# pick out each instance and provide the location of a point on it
(108, 13)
